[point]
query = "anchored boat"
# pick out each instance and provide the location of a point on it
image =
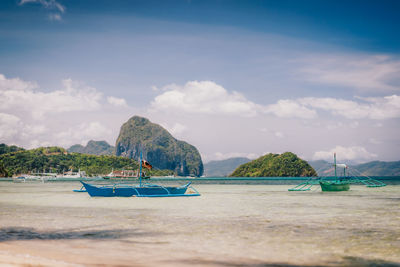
(332, 184)
(141, 190)
(338, 184)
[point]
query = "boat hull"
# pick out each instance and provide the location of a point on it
(131, 191)
(334, 186)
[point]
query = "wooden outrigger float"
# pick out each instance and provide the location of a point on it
(336, 183)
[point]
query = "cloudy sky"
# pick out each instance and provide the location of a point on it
(233, 78)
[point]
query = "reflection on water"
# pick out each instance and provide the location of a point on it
(22, 233)
(229, 225)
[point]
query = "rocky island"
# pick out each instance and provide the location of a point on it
(275, 165)
(159, 147)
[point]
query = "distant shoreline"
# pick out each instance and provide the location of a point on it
(215, 180)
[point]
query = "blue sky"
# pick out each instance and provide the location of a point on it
(234, 78)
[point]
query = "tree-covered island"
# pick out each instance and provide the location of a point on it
(275, 165)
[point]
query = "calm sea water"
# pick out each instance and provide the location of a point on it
(229, 225)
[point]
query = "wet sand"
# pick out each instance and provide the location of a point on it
(229, 225)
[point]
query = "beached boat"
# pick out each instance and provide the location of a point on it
(28, 178)
(141, 190)
(72, 175)
(19, 179)
(122, 174)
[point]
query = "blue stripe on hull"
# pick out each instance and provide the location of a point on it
(129, 191)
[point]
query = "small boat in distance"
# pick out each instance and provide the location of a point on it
(141, 190)
(339, 184)
(336, 183)
(122, 174)
(72, 175)
(19, 179)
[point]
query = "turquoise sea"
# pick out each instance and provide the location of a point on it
(235, 222)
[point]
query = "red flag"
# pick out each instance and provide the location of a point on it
(146, 165)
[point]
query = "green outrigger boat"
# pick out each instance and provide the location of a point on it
(334, 184)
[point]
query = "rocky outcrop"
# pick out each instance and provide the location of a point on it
(93, 148)
(159, 147)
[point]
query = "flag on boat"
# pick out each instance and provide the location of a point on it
(146, 165)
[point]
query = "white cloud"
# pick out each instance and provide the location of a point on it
(82, 133)
(222, 156)
(15, 84)
(49, 4)
(203, 97)
(13, 130)
(119, 102)
(36, 104)
(354, 153)
(377, 108)
(359, 72)
(207, 97)
(30, 116)
(176, 129)
(9, 125)
(290, 109)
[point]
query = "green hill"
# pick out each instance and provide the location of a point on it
(275, 165)
(159, 147)
(4, 149)
(93, 148)
(58, 160)
(221, 168)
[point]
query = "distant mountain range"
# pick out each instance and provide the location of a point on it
(221, 168)
(373, 168)
(94, 148)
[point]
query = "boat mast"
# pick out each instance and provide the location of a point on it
(140, 169)
(334, 160)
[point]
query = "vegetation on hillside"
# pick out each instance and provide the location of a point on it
(4, 149)
(3, 171)
(275, 165)
(57, 159)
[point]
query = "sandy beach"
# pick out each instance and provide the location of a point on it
(229, 225)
